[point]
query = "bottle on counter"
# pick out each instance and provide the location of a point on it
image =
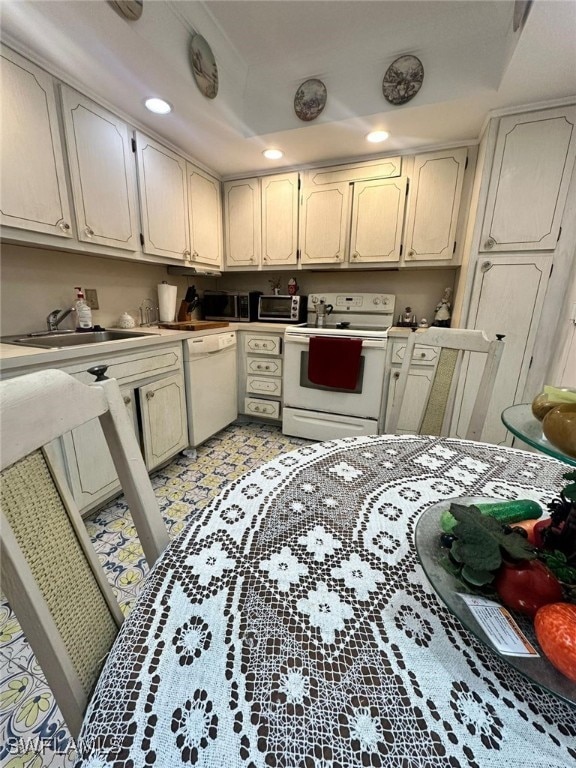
(83, 311)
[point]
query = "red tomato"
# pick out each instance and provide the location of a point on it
(527, 585)
(555, 626)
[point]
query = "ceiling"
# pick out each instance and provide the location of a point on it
(473, 58)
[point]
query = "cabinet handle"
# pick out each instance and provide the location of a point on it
(422, 354)
(127, 400)
(88, 231)
(149, 395)
(490, 243)
(64, 226)
(186, 253)
(195, 254)
(396, 375)
(266, 367)
(486, 265)
(355, 255)
(265, 259)
(411, 252)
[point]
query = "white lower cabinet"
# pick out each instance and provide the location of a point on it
(152, 384)
(507, 298)
(417, 387)
(260, 374)
(164, 423)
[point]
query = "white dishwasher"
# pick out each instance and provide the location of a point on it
(211, 384)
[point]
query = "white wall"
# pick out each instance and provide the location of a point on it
(35, 281)
(419, 289)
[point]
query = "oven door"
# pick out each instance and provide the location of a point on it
(363, 402)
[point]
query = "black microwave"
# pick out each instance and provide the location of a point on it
(282, 309)
(234, 306)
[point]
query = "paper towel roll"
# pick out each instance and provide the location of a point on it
(166, 302)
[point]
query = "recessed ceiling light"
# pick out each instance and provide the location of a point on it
(273, 154)
(159, 106)
(377, 136)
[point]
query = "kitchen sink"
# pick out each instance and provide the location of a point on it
(63, 339)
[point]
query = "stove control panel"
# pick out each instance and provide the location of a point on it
(373, 303)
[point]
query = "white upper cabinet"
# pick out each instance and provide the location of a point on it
(205, 217)
(324, 223)
(279, 219)
(377, 220)
(34, 193)
(261, 221)
(532, 164)
(242, 217)
(103, 173)
(163, 192)
(433, 205)
(353, 214)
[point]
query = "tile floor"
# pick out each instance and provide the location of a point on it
(32, 733)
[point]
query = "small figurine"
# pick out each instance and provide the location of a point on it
(292, 287)
(423, 323)
(407, 318)
(443, 314)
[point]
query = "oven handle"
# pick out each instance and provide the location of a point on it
(366, 343)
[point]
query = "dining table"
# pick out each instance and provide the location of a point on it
(292, 624)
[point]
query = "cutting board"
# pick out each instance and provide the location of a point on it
(193, 325)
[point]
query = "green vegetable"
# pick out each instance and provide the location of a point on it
(506, 512)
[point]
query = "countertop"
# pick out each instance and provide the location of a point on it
(15, 359)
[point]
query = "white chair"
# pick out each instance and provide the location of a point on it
(453, 347)
(50, 572)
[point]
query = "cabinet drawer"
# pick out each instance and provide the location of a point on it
(264, 385)
(422, 355)
(269, 408)
(128, 368)
(261, 345)
(264, 366)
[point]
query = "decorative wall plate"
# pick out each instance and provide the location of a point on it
(204, 66)
(403, 79)
(129, 9)
(310, 99)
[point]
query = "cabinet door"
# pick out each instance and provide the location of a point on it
(34, 194)
(103, 173)
(433, 205)
(324, 223)
(242, 235)
(91, 471)
(163, 199)
(507, 298)
(377, 220)
(417, 386)
(164, 422)
(205, 216)
(280, 219)
(533, 163)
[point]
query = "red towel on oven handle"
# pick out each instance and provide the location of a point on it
(334, 362)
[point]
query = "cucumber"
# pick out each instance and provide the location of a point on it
(506, 512)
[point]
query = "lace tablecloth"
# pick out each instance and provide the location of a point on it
(292, 625)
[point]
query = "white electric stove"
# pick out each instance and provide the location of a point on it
(324, 413)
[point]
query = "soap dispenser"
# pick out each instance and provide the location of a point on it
(83, 311)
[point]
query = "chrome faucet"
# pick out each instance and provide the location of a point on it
(55, 318)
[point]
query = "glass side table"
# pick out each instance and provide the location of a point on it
(520, 420)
